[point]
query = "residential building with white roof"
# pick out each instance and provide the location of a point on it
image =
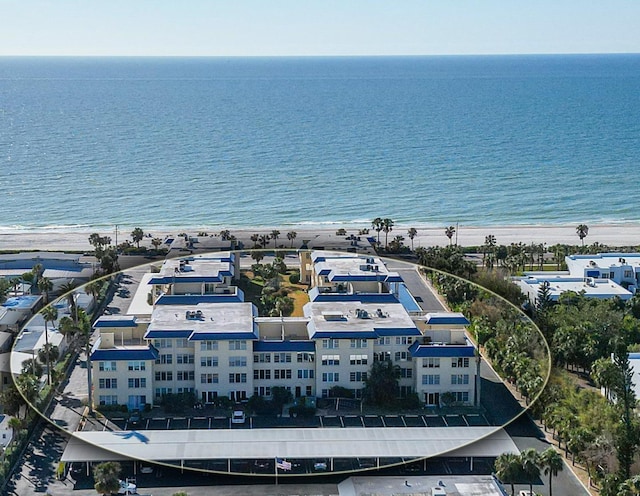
(202, 338)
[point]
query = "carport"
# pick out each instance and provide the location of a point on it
(180, 446)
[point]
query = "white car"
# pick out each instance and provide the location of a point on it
(127, 488)
(238, 417)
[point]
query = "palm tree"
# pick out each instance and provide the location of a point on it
(450, 231)
(45, 285)
(48, 353)
(31, 366)
(530, 461)
(387, 227)
(50, 314)
(582, 230)
(275, 234)
(412, 233)
(255, 238)
(264, 240)
(67, 290)
(156, 242)
(508, 467)
(15, 424)
(552, 464)
(106, 476)
(291, 235)
(136, 235)
(377, 225)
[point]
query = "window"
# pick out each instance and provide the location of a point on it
(135, 382)
(166, 359)
(406, 373)
(160, 392)
(431, 379)
(358, 359)
(383, 356)
(309, 391)
(186, 375)
(185, 359)
(208, 345)
(462, 396)
(261, 374)
(460, 379)
(358, 343)
(431, 362)
(357, 376)
(108, 399)
(209, 378)
(403, 356)
(209, 361)
(107, 366)
(628, 274)
(237, 345)
(330, 377)
(237, 378)
(282, 357)
(305, 374)
(330, 360)
(404, 339)
(262, 358)
(305, 357)
(108, 383)
(330, 343)
(282, 374)
(262, 391)
(238, 361)
(163, 343)
(164, 376)
(183, 343)
(386, 340)
(136, 365)
(460, 362)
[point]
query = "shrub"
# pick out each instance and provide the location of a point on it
(294, 278)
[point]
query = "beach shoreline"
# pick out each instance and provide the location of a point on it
(616, 235)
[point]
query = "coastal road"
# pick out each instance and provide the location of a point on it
(417, 285)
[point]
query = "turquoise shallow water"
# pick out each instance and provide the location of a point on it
(246, 142)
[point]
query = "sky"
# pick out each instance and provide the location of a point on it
(316, 27)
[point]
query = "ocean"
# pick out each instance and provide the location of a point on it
(86, 143)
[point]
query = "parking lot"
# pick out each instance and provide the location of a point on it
(319, 421)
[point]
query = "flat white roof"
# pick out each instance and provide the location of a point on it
(598, 288)
(215, 317)
(288, 443)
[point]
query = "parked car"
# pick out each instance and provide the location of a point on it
(127, 487)
(238, 417)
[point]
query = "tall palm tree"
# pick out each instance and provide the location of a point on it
(530, 461)
(136, 235)
(552, 464)
(412, 233)
(255, 238)
(275, 234)
(67, 290)
(264, 240)
(49, 314)
(291, 235)
(45, 285)
(377, 225)
(582, 230)
(387, 227)
(507, 467)
(450, 231)
(106, 476)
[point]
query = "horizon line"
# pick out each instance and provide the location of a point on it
(399, 55)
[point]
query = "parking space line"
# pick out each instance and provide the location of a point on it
(444, 420)
(403, 421)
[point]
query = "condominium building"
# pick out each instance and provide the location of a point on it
(202, 338)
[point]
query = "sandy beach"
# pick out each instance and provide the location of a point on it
(611, 235)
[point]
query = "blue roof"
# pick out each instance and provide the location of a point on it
(426, 350)
(393, 278)
(125, 354)
(195, 299)
(397, 331)
(345, 335)
(116, 321)
(316, 295)
(222, 336)
(406, 298)
(169, 333)
(187, 279)
(284, 346)
(447, 319)
(358, 277)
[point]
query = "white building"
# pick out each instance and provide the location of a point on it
(202, 338)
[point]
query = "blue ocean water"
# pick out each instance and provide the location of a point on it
(242, 142)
